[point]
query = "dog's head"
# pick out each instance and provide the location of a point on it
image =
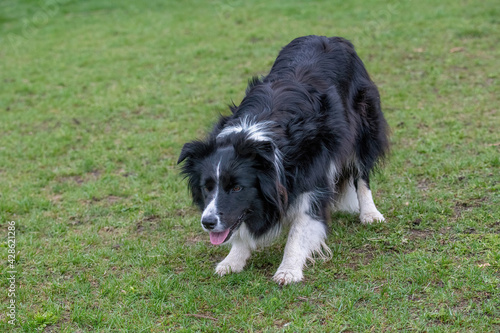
(234, 182)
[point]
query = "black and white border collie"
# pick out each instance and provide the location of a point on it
(303, 141)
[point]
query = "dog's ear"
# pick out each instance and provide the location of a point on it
(261, 152)
(194, 149)
(187, 151)
(266, 160)
(192, 153)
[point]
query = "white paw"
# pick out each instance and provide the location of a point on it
(370, 217)
(226, 267)
(285, 276)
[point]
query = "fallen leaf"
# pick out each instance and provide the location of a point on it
(483, 265)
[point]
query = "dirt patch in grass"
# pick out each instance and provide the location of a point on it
(148, 223)
(495, 227)
(361, 256)
(424, 184)
(464, 305)
(77, 220)
(464, 206)
(80, 179)
(76, 179)
(107, 230)
(55, 198)
(281, 324)
(111, 233)
(416, 222)
(110, 200)
(416, 234)
(193, 239)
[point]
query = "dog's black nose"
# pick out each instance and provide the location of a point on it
(209, 222)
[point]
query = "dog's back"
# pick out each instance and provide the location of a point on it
(330, 60)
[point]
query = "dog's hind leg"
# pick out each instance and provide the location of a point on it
(347, 200)
(368, 212)
(306, 236)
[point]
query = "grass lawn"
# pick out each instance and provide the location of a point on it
(98, 97)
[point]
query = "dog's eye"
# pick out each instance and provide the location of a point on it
(236, 188)
(208, 188)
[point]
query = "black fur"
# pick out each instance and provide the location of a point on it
(320, 107)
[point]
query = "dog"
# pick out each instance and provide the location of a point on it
(304, 140)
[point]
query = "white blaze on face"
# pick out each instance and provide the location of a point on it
(211, 209)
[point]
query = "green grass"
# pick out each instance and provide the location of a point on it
(97, 98)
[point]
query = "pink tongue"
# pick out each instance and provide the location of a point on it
(218, 238)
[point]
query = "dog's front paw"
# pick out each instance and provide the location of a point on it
(370, 217)
(226, 267)
(286, 276)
